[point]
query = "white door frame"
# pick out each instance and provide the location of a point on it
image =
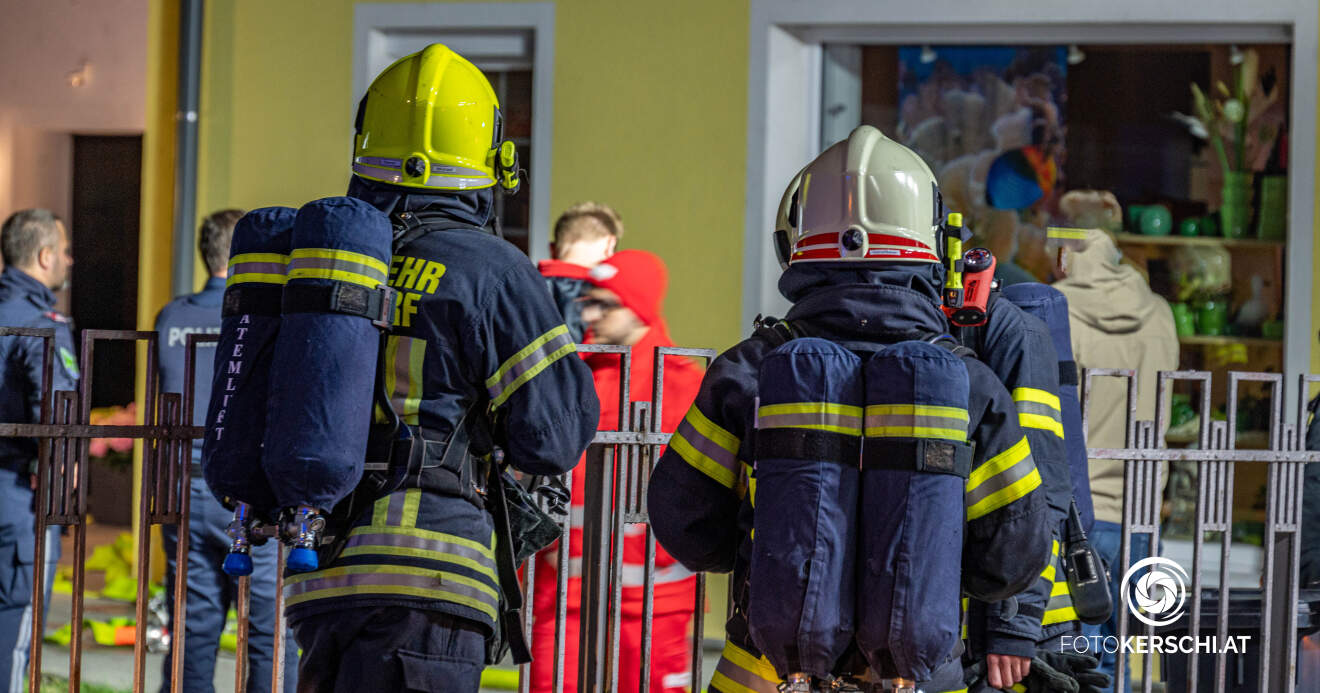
(373, 23)
(784, 97)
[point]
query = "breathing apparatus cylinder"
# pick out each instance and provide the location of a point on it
(915, 462)
(240, 387)
(801, 605)
(323, 371)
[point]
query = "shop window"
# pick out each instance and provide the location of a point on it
(1208, 228)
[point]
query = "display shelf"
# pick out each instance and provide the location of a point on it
(1140, 239)
(1222, 340)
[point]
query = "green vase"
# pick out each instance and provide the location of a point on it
(1235, 212)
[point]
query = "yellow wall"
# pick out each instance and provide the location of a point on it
(650, 112)
(650, 115)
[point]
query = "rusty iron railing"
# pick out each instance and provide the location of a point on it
(617, 468)
(1215, 455)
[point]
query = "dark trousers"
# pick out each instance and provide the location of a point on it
(391, 648)
(211, 593)
(16, 556)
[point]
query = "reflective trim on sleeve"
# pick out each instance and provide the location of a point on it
(405, 370)
(261, 268)
(819, 416)
(1038, 409)
(528, 362)
(916, 421)
(396, 580)
(339, 265)
(708, 448)
(1000, 480)
(739, 672)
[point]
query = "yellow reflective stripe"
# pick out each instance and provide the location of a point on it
(707, 448)
(1031, 394)
(377, 543)
(712, 431)
(918, 409)
(702, 463)
(739, 672)
(1054, 616)
(751, 490)
(916, 432)
(963, 617)
(998, 464)
(416, 370)
(241, 258)
(380, 512)
(1016, 688)
(340, 255)
(818, 416)
(528, 363)
(1060, 589)
(405, 552)
(1002, 479)
(337, 275)
(1004, 496)
(916, 421)
(255, 278)
(426, 534)
(1042, 422)
(263, 268)
(411, 499)
(393, 580)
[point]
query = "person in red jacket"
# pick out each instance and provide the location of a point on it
(624, 308)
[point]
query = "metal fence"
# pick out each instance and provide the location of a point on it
(617, 468)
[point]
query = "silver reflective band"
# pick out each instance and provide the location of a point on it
(378, 173)
(443, 170)
(380, 161)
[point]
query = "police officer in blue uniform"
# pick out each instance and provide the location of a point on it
(210, 592)
(478, 358)
(36, 253)
(860, 274)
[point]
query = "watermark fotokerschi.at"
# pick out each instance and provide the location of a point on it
(1157, 598)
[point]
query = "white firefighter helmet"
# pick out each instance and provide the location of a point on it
(865, 199)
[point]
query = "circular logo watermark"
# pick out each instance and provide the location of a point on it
(1157, 597)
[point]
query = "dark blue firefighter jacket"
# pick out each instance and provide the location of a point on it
(700, 503)
(473, 324)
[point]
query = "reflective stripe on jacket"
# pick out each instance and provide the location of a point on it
(700, 498)
(473, 325)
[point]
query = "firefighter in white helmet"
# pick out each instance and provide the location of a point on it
(882, 468)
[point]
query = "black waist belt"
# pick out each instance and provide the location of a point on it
(376, 305)
(252, 298)
(807, 444)
(902, 454)
(920, 454)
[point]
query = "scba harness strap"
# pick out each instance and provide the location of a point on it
(403, 457)
(918, 454)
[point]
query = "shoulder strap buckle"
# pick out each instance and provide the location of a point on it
(774, 330)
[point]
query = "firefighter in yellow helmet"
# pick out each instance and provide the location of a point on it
(423, 593)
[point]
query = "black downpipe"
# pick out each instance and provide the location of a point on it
(185, 155)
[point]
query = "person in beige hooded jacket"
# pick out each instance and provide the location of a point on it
(1116, 322)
